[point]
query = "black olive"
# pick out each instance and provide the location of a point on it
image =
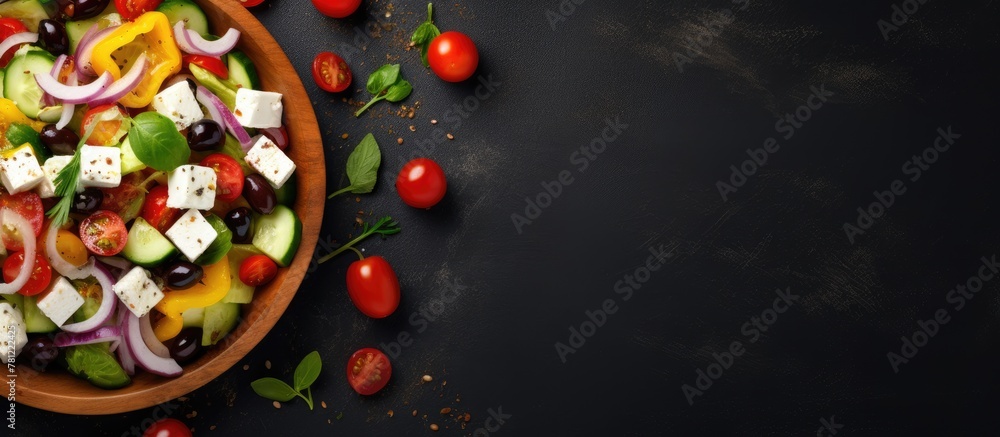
(82, 9)
(182, 275)
(87, 201)
(60, 141)
(239, 221)
(39, 353)
(259, 194)
(206, 135)
(52, 36)
(186, 346)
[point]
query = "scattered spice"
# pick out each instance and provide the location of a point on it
(434, 427)
(467, 417)
(323, 404)
(427, 378)
(434, 122)
(267, 364)
(444, 383)
(451, 137)
(344, 136)
(446, 410)
(277, 405)
(211, 428)
(390, 413)
(414, 413)
(246, 367)
(399, 140)
(413, 128)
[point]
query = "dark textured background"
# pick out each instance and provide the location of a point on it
(656, 184)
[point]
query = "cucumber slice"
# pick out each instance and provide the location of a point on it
(75, 29)
(242, 71)
(30, 12)
(194, 318)
(19, 83)
(146, 246)
(34, 320)
(178, 10)
(220, 319)
(130, 162)
(238, 291)
(278, 234)
(18, 134)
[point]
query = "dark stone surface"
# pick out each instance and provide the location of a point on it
(654, 186)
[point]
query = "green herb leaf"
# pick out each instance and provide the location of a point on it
(66, 182)
(95, 363)
(382, 79)
(273, 389)
(157, 143)
(362, 167)
(307, 371)
(425, 33)
(385, 226)
(398, 91)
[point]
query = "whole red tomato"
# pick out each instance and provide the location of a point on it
(337, 8)
(453, 56)
(168, 428)
(421, 183)
(373, 287)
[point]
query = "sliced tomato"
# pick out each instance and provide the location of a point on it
(250, 3)
(156, 212)
(8, 27)
(70, 248)
(27, 205)
(331, 72)
(40, 277)
(132, 9)
(109, 125)
(228, 176)
(257, 270)
(209, 63)
(368, 371)
(127, 198)
(103, 233)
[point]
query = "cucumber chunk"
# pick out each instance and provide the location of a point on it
(220, 319)
(185, 10)
(30, 12)
(146, 246)
(278, 234)
(19, 83)
(242, 71)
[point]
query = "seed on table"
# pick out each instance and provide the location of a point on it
(428, 378)
(414, 413)
(434, 122)
(267, 364)
(451, 137)
(413, 128)
(434, 427)
(277, 405)
(344, 136)
(400, 140)
(445, 410)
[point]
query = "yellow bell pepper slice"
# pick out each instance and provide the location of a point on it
(150, 34)
(10, 114)
(213, 287)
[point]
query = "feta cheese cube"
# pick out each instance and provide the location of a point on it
(137, 291)
(191, 186)
(12, 330)
(270, 162)
(51, 168)
(192, 234)
(178, 103)
(19, 169)
(258, 109)
(100, 166)
(61, 302)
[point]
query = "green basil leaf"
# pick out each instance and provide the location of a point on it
(362, 165)
(273, 389)
(398, 91)
(307, 371)
(425, 33)
(157, 143)
(383, 78)
(95, 363)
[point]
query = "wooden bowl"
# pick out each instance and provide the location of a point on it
(61, 392)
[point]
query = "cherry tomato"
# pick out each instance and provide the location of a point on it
(8, 27)
(132, 9)
(257, 270)
(103, 233)
(127, 198)
(155, 210)
(453, 56)
(27, 205)
(210, 63)
(40, 276)
(373, 287)
(336, 8)
(71, 248)
(368, 371)
(168, 428)
(250, 3)
(228, 176)
(421, 183)
(109, 130)
(331, 72)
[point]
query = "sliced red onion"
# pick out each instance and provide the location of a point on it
(143, 356)
(191, 42)
(47, 99)
(17, 39)
(123, 86)
(211, 100)
(99, 335)
(116, 262)
(63, 267)
(149, 337)
(74, 94)
(213, 112)
(68, 108)
(11, 218)
(85, 49)
(109, 301)
(124, 356)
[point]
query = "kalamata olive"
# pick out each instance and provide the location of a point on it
(186, 346)
(82, 9)
(239, 221)
(52, 36)
(206, 135)
(60, 141)
(278, 136)
(87, 201)
(259, 194)
(39, 353)
(182, 275)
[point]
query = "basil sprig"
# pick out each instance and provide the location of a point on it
(157, 143)
(386, 84)
(425, 33)
(362, 167)
(305, 375)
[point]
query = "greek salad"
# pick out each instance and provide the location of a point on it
(146, 191)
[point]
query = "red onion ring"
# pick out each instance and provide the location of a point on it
(123, 86)
(11, 218)
(191, 42)
(47, 99)
(143, 356)
(213, 112)
(109, 300)
(230, 120)
(99, 335)
(74, 94)
(124, 356)
(17, 39)
(68, 108)
(149, 337)
(86, 48)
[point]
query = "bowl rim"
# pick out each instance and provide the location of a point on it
(256, 320)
